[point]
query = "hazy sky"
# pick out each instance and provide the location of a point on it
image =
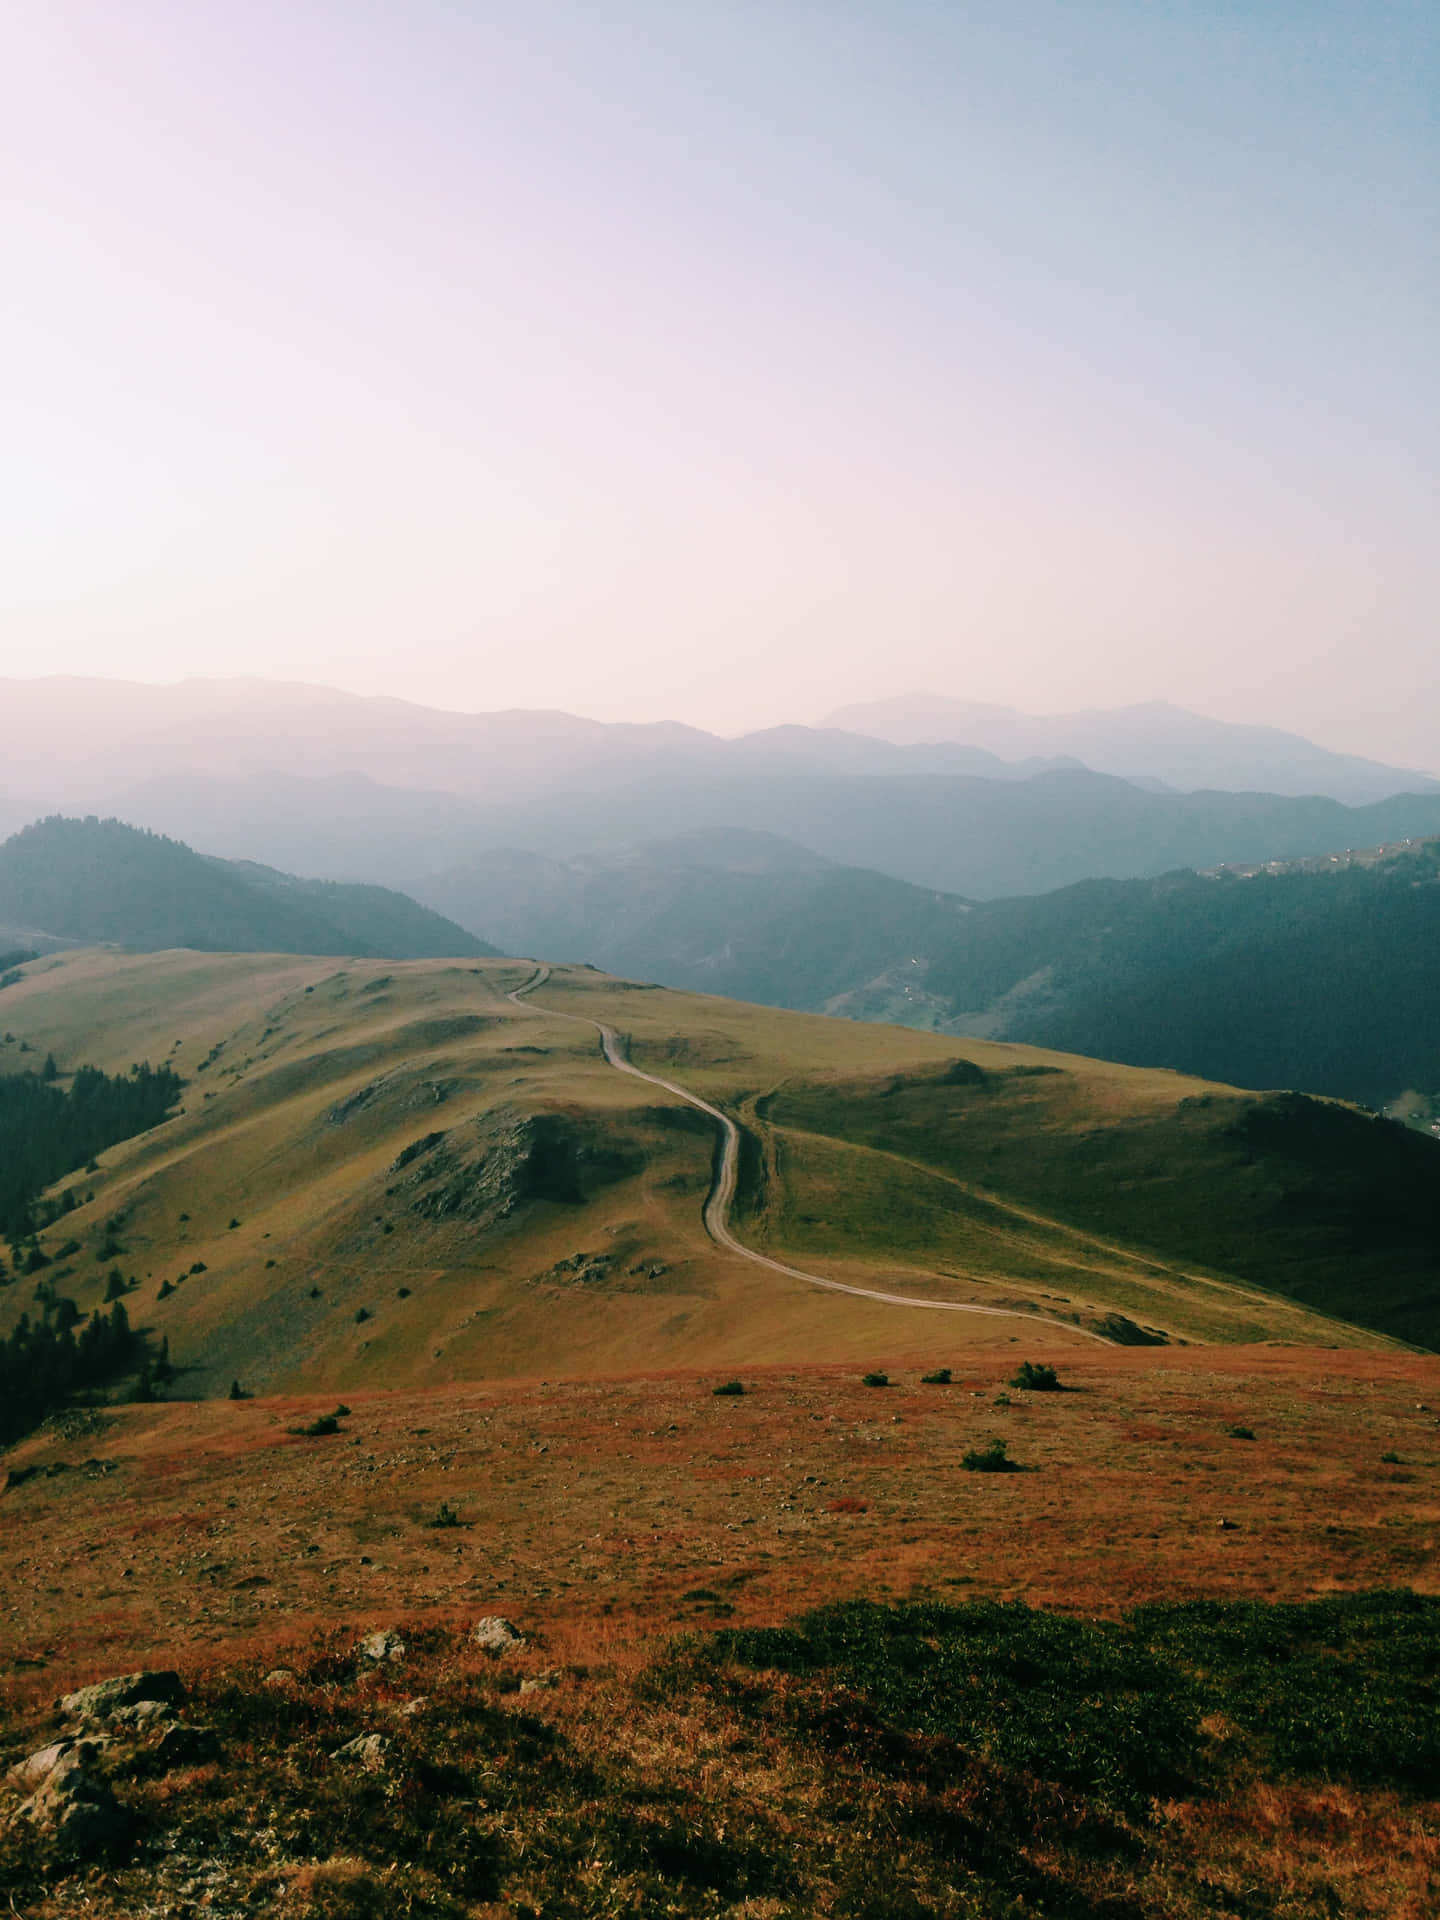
(729, 361)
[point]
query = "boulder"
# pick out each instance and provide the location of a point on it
(368, 1750)
(541, 1682)
(382, 1646)
(76, 1808)
(106, 1697)
(496, 1635)
(279, 1677)
(144, 1713)
(37, 1767)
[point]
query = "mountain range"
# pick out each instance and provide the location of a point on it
(1324, 976)
(1142, 741)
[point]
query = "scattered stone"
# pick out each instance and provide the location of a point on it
(382, 1646)
(144, 1713)
(496, 1635)
(106, 1697)
(187, 1746)
(76, 1806)
(38, 1766)
(368, 1750)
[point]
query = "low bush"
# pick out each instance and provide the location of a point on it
(1035, 1378)
(994, 1458)
(939, 1378)
(729, 1387)
(876, 1380)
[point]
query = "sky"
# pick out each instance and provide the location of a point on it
(727, 362)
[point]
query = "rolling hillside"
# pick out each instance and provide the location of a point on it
(1323, 976)
(102, 881)
(397, 1175)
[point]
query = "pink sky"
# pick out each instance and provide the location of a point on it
(726, 362)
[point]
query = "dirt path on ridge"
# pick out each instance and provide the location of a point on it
(716, 1215)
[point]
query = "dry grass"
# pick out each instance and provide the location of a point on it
(595, 1507)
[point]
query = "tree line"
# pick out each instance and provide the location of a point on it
(48, 1130)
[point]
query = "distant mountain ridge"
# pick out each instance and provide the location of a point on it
(84, 744)
(984, 838)
(1153, 740)
(103, 882)
(1327, 980)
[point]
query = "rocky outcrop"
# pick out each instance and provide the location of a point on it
(108, 1700)
(74, 1805)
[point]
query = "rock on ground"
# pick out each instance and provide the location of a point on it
(108, 1697)
(76, 1807)
(382, 1646)
(366, 1750)
(496, 1635)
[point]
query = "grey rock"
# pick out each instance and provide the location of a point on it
(368, 1750)
(496, 1635)
(76, 1807)
(280, 1677)
(105, 1697)
(382, 1646)
(144, 1713)
(541, 1682)
(38, 1766)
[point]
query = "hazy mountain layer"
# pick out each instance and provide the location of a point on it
(984, 838)
(1186, 750)
(82, 744)
(100, 881)
(1325, 979)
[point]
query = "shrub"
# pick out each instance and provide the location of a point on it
(445, 1516)
(939, 1378)
(876, 1380)
(729, 1387)
(1036, 1379)
(317, 1429)
(1391, 1459)
(993, 1458)
(237, 1392)
(362, 1314)
(1241, 1433)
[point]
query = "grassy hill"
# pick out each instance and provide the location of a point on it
(102, 881)
(1323, 975)
(392, 1174)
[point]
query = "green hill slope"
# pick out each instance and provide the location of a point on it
(102, 881)
(390, 1173)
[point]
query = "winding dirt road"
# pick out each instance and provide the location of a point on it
(722, 1193)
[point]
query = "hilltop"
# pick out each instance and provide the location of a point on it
(103, 881)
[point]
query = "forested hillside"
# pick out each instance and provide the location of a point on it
(100, 881)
